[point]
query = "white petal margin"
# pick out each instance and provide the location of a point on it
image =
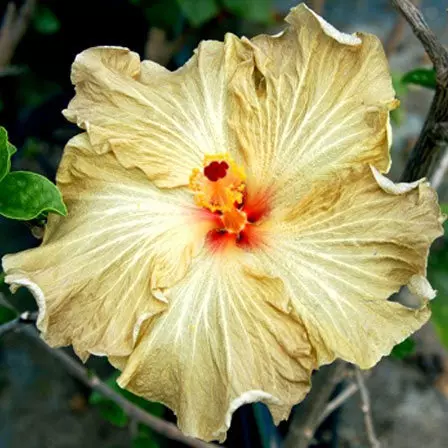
(16, 281)
(344, 250)
(420, 286)
(251, 396)
(99, 272)
(330, 30)
(228, 338)
(394, 188)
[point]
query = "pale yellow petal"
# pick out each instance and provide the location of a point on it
(97, 271)
(343, 250)
(307, 103)
(159, 121)
(229, 337)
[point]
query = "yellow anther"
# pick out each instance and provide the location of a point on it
(219, 186)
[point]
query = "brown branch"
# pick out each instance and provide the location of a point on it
(426, 149)
(15, 24)
(306, 419)
(440, 171)
(79, 372)
(365, 407)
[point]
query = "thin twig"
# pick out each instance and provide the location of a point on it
(305, 420)
(427, 147)
(15, 24)
(338, 401)
(365, 407)
(91, 380)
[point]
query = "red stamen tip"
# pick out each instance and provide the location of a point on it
(216, 170)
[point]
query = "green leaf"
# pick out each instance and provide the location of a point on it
(199, 11)
(257, 11)
(404, 349)
(5, 155)
(425, 77)
(11, 149)
(45, 21)
(25, 196)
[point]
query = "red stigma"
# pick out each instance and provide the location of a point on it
(216, 170)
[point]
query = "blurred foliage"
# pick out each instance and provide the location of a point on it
(438, 276)
(398, 115)
(404, 349)
(165, 13)
(45, 21)
(25, 195)
(259, 11)
(199, 11)
(425, 77)
(145, 438)
(6, 313)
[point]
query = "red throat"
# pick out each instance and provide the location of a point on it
(233, 211)
(256, 208)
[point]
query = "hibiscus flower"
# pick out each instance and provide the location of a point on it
(229, 226)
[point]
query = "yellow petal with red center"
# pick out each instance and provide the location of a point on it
(163, 131)
(307, 103)
(101, 272)
(229, 338)
(344, 249)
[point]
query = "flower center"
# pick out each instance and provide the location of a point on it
(219, 187)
